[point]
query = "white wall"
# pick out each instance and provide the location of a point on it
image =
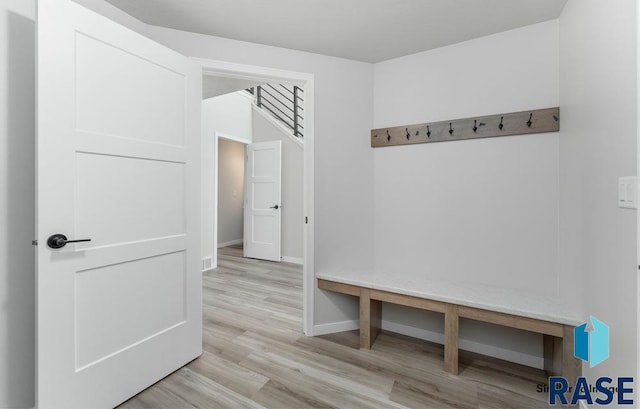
(227, 115)
(483, 210)
(598, 242)
(292, 183)
(230, 191)
(343, 158)
(17, 198)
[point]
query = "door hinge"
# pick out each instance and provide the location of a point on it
(34, 242)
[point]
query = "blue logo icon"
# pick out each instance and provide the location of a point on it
(591, 344)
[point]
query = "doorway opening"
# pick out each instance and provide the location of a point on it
(229, 220)
(243, 75)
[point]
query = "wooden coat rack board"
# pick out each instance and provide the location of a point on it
(514, 123)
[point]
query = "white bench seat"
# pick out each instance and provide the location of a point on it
(512, 308)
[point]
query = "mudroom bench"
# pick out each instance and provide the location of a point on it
(516, 309)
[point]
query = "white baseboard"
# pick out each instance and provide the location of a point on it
(230, 243)
(333, 327)
(438, 338)
(293, 260)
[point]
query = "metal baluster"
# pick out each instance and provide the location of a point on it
(259, 93)
(295, 110)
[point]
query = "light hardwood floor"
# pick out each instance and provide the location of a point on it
(255, 355)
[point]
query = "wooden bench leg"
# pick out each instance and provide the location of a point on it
(451, 339)
(552, 347)
(547, 353)
(571, 366)
(370, 319)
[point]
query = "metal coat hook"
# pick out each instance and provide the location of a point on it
(417, 132)
(428, 132)
(529, 121)
(475, 127)
(407, 131)
(388, 136)
(450, 129)
(556, 118)
(501, 126)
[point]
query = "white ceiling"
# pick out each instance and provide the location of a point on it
(364, 30)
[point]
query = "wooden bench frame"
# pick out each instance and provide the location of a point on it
(558, 338)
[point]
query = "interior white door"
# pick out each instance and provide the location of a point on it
(118, 157)
(262, 208)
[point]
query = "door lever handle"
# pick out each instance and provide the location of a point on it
(58, 241)
(274, 207)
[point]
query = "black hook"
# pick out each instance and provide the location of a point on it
(529, 121)
(417, 132)
(388, 136)
(450, 129)
(428, 132)
(555, 118)
(475, 127)
(501, 126)
(407, 131)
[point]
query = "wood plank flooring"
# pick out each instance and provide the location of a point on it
(255, 356)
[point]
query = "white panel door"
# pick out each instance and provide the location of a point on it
(262, 208)
(118, 163)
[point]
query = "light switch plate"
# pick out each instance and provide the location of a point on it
(628, 192)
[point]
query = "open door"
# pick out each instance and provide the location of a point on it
(262, 209)
(118, 163)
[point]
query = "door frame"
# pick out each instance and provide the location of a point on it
(306, 80)
(638, 188)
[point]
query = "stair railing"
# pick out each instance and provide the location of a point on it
(284, 103)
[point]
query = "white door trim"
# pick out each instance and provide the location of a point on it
(257, 73)
(638, 174)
